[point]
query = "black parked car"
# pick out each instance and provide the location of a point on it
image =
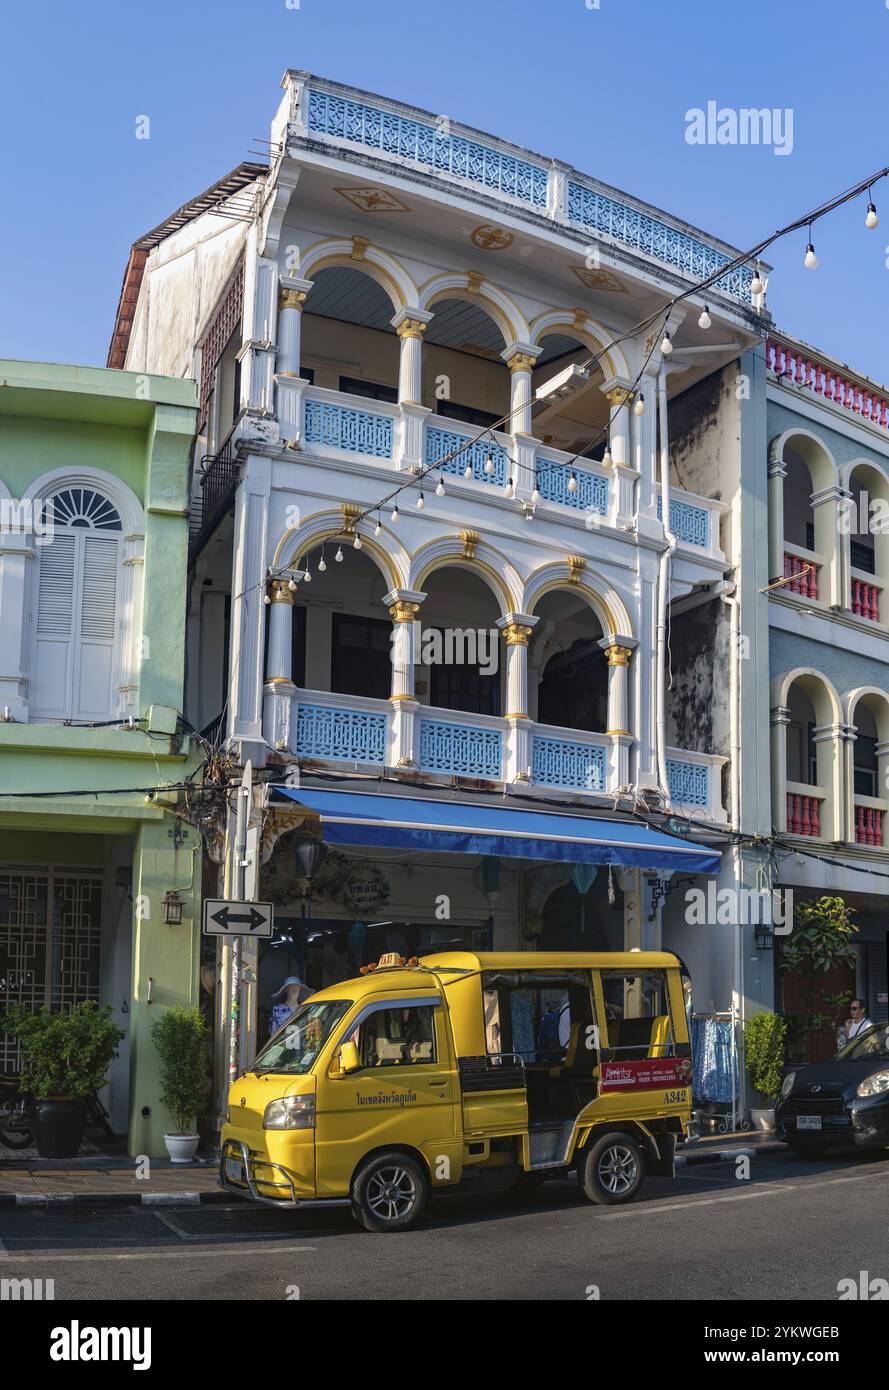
(843, 1101)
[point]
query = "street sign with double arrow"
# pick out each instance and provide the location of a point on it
(223, 918)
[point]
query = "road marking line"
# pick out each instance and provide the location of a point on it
(166, 1254)
(171, 1225)
(655, 1208)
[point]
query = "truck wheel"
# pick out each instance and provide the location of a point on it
(611, 1169)
(389, 1192)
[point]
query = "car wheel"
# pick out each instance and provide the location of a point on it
(611, 1169)
(808, 1148)
(389, 1192)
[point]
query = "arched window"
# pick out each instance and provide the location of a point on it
(76, 609)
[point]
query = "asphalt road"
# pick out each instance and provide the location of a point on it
(790, 1232)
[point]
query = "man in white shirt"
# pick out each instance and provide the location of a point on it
(858, 1022)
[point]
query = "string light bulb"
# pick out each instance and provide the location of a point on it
(639, 405)
(356, 544)
(572, 481)
(705, 320)
(810, 260)
(266, 599)
(291, 584)
(322, 564)
(756, 284)
(421, 502)
(440, 489)
(666, 344)
(871, 220)
(339, 555)
(307, 577)
(467, 471)
(607, 460)
(395, 512)
(535, 495)
(378, 529)
(509, 491)
(489, 464)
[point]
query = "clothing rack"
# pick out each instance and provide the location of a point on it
(727, 1016)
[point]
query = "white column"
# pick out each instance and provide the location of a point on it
(619, 651)
(279, 689)
(516, 629)
(410, 325)
(623, 505)
(520, 359)
(278, 655)
(289, 385)
(780, 718)
(832, 588)
(248, 610)
(777, 473)
(403, 605)
(645, 451)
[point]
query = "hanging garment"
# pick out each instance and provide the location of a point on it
(714, 1077)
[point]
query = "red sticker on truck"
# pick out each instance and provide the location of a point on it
(650, 1074)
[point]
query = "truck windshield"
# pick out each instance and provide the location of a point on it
(295, 1046)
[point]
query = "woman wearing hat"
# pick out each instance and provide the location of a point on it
(286, 1000)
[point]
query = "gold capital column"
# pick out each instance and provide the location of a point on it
(520, 359)
(516, 629)
(403, 606)
(278, 653)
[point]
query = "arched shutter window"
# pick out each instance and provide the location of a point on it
(77, 603)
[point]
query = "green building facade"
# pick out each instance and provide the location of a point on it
(94, 493)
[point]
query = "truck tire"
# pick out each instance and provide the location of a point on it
(611, 1169)
(389, 1192)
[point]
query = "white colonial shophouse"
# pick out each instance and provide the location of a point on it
(395, 294)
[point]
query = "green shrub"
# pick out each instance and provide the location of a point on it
(181, 1037)
(764, 1039)
(64, 1054)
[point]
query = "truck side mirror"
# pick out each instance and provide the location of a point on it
(348, 1059)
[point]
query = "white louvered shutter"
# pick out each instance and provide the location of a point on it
(94, 662)
(56, 602)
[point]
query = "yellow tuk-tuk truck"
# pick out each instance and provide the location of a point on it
(424, 1075)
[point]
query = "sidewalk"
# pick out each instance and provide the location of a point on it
(36, 1182)
(97, 1179)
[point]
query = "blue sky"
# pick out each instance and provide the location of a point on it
(606, 89)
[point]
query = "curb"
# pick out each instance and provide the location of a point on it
(91, 1199)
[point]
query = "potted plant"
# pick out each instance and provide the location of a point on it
(181, 1038)
(65, 1060)
(764, 1041)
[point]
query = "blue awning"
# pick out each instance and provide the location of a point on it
(402, 822)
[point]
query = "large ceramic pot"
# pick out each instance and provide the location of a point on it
(181, 1147)
(59, 1127)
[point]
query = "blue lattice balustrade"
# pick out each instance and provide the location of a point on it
(339, 427)
(345, 734)
(558, 762)
(688, 782)
(591, 494)
(379, 129)
(461, 749)
(688, 523)
(440, 443)
(650, 235)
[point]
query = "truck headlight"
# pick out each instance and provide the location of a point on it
(290, 1112)
(787, 1084)
(874, 1085)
